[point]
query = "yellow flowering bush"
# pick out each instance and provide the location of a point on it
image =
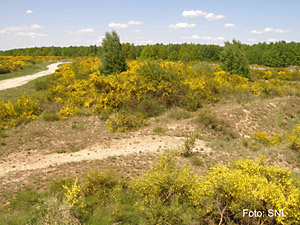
(221, 195)
(166, 191)
(294, 139)
(252, 185)
(25, 109)
(265, 139)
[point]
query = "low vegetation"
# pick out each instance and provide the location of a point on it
(166, 194)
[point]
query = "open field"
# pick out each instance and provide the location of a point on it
(162, 113)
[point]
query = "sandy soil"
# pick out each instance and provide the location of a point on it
(19, 81)
(136, 144)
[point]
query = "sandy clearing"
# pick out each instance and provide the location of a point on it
(139, 143)
(19, 81)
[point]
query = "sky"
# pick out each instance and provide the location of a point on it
(30, 23)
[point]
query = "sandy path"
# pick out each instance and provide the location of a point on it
(117, 147)
(19, 81)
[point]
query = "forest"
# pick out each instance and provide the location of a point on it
(279, 54)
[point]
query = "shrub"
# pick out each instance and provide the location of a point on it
(294, 139)
(251, 184)
(124, 122)
(100, 183)
(189, 143)
(41, 85)
(263, 137)
(178, 113)
(167, 190)
(149, 107)
(159, 130)
(210, 120)
(50, 116)
(25, 109)
(203, 67)
(57, 186)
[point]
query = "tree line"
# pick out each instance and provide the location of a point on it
(279, 54)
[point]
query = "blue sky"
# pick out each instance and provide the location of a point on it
(29, 23)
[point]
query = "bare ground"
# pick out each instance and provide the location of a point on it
(35, 153)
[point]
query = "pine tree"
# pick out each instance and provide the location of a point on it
(113, 57)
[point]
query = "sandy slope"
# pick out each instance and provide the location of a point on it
(19, 81)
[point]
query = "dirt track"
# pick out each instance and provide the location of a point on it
(19, 81)
(135, 144)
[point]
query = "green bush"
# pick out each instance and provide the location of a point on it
(99, 183)
(41, 85)
(50, 116)
(203, 67)
(167, 193)
(210, 120)
(179, 114)
(159, 130)
(124, 122)
(189, 143)
(149, 107)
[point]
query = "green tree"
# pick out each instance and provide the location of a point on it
(113, 57)
(233, 59)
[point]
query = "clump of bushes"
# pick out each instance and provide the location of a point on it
(167, 194)
(124, 122)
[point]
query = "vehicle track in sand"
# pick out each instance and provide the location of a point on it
(19, 81)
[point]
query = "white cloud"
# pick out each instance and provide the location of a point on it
(229, 25)
(251, 40)
(269, 30)
(13, 29)
(193, 13)
(256, 32)
(272, 40)
(125, 25)
(143, 42)
(86, 30)
(196, 13)
(182, 25)
(35, 26)
(118, 25)
(211, 17)
(205, 38)
(32, 34)
(135, 23)
(29, 11)
(137, 30)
